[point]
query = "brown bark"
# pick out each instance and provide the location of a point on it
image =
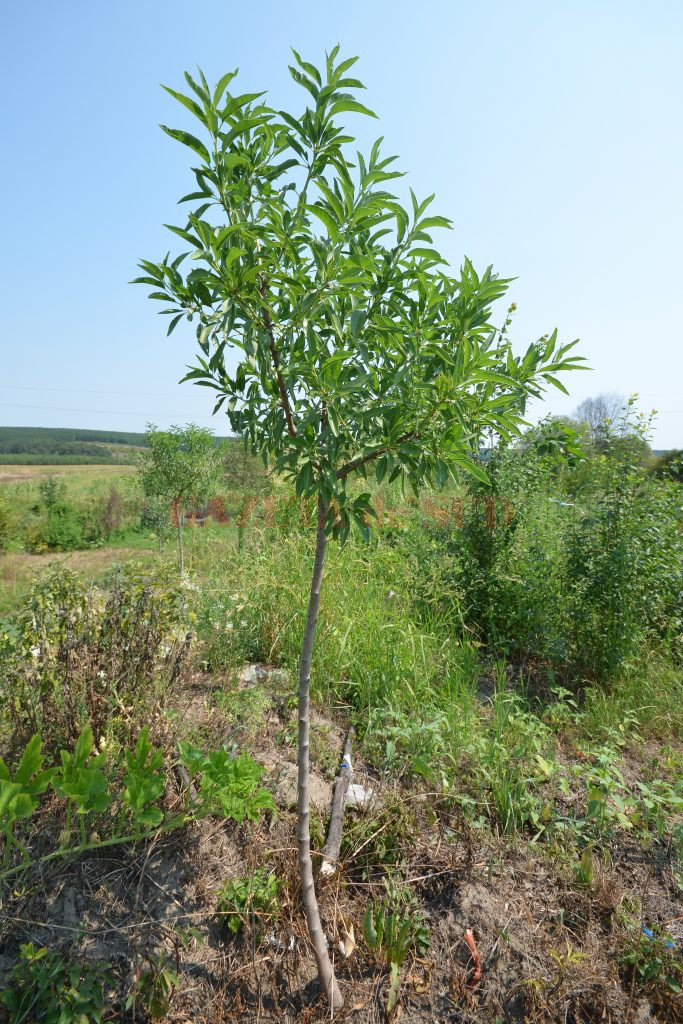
(308, 895)
(284, 397)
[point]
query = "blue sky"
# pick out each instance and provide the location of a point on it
(550, 132)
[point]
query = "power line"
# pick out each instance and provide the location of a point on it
(94, 412)
(95, 391)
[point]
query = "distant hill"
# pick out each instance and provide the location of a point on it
(49, 446)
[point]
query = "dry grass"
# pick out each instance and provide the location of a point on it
(28, 474)
(19, 569)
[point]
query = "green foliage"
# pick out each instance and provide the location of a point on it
(60, 528)
(357, 351)
(155, 984)
(249, 901)
(19, 792)
(144, 783)
(652, 960)
(584, 869)
(375, 648)
(71, 654)
(244, 708)
(45, 988)
(89, 785)
(46, 439)
(510, 761)
(587, 572)
(5, 523)
(63, 529)
(82, 782)
(393, 929)
(180, 464)
(669, 466)
(228, 786)
(154, 516)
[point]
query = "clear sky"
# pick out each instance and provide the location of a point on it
(550, 132)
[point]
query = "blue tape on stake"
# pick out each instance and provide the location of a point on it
(650, 935)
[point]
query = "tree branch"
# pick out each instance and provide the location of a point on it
(363, 459)
(284, 397)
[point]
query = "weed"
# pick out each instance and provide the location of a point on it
(228, 786)
(244, 707)
(73, 656)
(19, 793)
(250, 901)
(650, 958)
(82, 782)
(47, 989)
(393, 929)
(584, 869)
(379, 841)
(154, 985)
(144, 783)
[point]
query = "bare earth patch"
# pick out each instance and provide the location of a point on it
(547, 948)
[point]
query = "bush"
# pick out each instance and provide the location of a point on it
(63, 528)
(5, 524)
(590, 569)
(73, 655)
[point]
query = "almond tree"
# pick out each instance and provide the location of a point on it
(355, 352)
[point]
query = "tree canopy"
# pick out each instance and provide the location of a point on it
(358, 350)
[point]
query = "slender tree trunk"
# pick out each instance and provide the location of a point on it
(310, 901)
(179, 525)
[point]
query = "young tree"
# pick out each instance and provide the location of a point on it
(180, 465)
(358, 352)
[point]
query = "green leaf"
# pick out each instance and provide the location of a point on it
(188, 140)
(353, 106)
(472, 467)
(222, 85)
(31, 761)
(190, 104)
(358, 318)
(326, 217)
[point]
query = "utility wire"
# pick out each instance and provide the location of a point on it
(95, 391)
(92, 412)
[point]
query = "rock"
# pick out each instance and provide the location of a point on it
(285, 791)
(278, 678)
(361, 798)
(251, 674)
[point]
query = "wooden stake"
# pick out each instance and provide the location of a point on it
(334, 832)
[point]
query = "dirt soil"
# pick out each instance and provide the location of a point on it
(546, 949)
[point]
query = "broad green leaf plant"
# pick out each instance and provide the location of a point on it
(19, 794)
(329, 327)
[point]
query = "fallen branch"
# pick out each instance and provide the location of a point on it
(334, 832)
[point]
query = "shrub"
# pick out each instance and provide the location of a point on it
(63, 529)
(72, 654)
(5, 524)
